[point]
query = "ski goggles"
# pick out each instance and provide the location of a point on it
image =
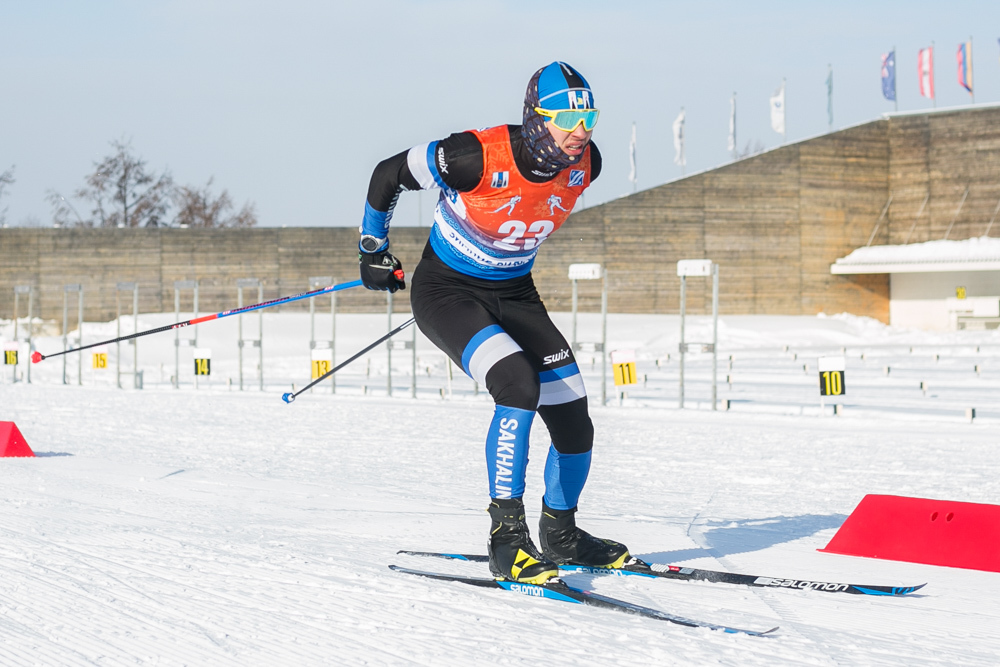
(568, 120)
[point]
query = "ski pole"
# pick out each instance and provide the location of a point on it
(38, 356)
(289, 396)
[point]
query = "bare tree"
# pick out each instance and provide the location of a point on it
(64, 214)
(122, 192)
(6, 180)
(197, 207)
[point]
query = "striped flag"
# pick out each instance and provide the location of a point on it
(889, 75)
(731, 143)
(925, 68)
(679, 157)
(964, 58)
(778, 110)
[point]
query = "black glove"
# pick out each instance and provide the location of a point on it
(381, 271)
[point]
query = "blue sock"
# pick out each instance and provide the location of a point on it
(565, 477)
(507, 451)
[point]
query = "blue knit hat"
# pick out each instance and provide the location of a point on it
(556, 86)
(562, 87)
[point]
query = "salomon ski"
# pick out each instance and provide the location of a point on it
(555, 589)
(636, 567)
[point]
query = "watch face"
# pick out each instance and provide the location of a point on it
(369, 244)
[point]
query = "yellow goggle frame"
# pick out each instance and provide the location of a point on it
(568, 120)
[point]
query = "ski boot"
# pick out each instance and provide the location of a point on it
(512, 555)
(564, 543)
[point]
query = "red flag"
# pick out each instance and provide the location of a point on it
(925, 68)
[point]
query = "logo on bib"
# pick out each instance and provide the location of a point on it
(575, 177)
(500, 179)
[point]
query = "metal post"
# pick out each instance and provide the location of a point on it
(312, 326)
(178, 286)
(241, 283)
(260, 334)
(31, 327)
(195, 340)
(177, 336)
(604, 336)
(134, 288)
(682, 348)
(715, 332)
(333, 336)
(316, 282)
(575, 302)
(388, 347)
(413, 367)
(135, 341)
(79, 321)
(79, 324)
(239, 330)
(64, 327)
(19, 290)
(17, 303)
(118, 334)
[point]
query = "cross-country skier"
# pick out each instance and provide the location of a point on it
(472, 294)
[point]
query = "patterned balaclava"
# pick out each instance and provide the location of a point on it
(555, 86)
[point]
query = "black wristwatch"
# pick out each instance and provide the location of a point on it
(371, 243)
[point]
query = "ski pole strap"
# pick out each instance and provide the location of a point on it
(288, 397)
(38, 356)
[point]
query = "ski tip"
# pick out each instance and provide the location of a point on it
(894, 591)
(288, 397)
(36, 356)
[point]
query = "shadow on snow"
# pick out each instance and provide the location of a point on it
(724, 538)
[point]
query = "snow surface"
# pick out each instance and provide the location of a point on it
(174, 526)
(978, 249)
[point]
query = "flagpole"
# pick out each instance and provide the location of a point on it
(934, 96)
(972, 84)
(683, 157)
(732, 126)
(895, 96)
(829, 96)
(736, 146)
(784, 101)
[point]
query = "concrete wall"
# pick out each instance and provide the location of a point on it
(774, 223)
(284, 259)
(921, 300)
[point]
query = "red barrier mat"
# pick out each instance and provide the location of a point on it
(920, 530)
(12, 443)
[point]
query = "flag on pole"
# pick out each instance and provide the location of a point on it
(679, 140)
(889, 76)
(631, 155)
(829, 96)
(964, 58)
(925, 68)
(731, 144)
(778, 110)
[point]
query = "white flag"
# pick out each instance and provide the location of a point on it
(631, 155)
(778, 109)
(731, 144)
(679, 139)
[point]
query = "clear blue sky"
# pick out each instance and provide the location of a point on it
(291, 104)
